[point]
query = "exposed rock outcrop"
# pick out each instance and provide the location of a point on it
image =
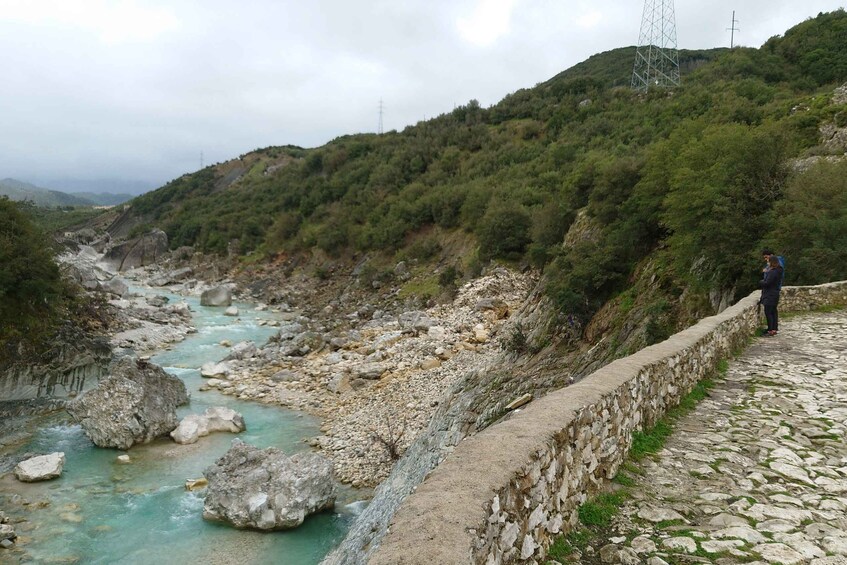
(264, 489)
(40, 468)
(135, 403)
(218, 296)
(138, 252)
(214, 419)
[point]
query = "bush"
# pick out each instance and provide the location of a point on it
(31, 289)
(504, 232)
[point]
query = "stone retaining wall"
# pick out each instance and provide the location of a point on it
(504, 494)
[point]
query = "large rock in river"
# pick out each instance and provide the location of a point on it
(264, 489)
(40, 468)
(138, 252)
(218, 296)
(214, 419)
(135, 403)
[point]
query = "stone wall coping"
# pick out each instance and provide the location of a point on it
(438, 522)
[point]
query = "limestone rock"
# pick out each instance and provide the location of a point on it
(115, 286)
(218, 296)
(656, 515)
(264, 489)
(210, 370)
(214, 419)
(7, 532)
(242, 350)
(123, 459)
(370, 371)
(138, 252)
(779, 553)
(41, 468)
(135, 403)
(231, 311)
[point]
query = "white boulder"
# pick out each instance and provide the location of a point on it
(41, 468)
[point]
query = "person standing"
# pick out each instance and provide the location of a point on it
(771, 285)
(766, 255)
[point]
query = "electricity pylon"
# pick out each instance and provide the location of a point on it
(656, 60)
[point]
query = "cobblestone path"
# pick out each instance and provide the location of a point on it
(757, 473)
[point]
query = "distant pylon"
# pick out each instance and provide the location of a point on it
(656, 60)
(381, 107)
(733, 29)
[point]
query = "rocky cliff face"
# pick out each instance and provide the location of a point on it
(138, 252)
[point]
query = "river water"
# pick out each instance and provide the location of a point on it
(101, 511)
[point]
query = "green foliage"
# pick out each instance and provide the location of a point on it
(601, 510)
(31, 290)
(504, 232)
(810, 226)
(695, 177)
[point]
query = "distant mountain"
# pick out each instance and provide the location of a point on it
(17, 190)
(104, 198)
(98, 186)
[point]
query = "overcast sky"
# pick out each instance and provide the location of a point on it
(136, 89)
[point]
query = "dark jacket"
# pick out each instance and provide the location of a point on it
(771, 286)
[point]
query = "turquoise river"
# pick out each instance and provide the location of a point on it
(101, 511)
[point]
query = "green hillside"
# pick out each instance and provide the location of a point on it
(695, 180)
(22, 191)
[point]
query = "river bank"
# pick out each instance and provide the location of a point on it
(373, 375)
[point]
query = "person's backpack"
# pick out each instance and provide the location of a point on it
(781, 260)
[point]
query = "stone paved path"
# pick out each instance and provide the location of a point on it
(758, 472)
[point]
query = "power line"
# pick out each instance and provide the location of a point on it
(733, 29)
(656, 59)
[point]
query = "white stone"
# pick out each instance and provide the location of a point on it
(643, 544)
(528, 547)
(40, 468)
(123, 459)
(760, 512)
(725, 520)
(800, 543)
(774, 526)
(832, 560)
(741, 532)
(713, 546)
(231, 311)
(656, 561)
(214, 370)
(682, 543)
(779, 553)
(656, 515)
(214, 419)
(835, 544)
(791, 472)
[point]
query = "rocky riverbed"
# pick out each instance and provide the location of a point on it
(374, 377)
(374, 373)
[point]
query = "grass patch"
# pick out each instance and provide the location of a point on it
(425, 288)
(564, 546)
(624, 480)
(601, 510)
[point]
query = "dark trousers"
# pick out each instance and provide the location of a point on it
(772, 317)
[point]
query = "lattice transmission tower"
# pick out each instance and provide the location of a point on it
(381, 109)
(656, 60)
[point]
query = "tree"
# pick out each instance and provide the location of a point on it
(31, 289)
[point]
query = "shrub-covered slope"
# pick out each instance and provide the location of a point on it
(692, 182)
